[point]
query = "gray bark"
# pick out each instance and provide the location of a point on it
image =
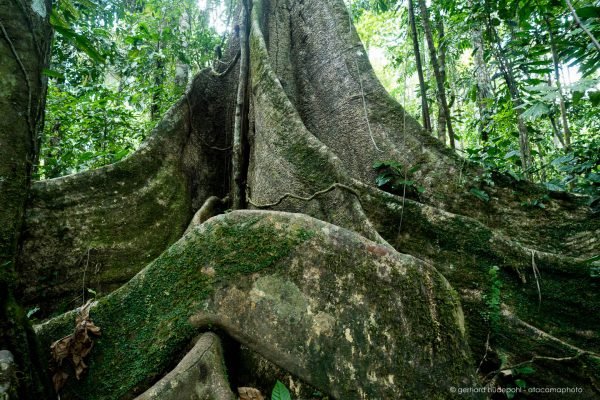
(24, 46)
(260, 275)
(200, 375)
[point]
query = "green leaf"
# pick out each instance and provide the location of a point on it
(588, 12)
(81, 42)
(514, 175)
(554, 187)
(577, 96)
(514, 153)
(524, 370)
(381, 180)
(480, 194)
(52, 74)
(280, 392)
(521, 383)
(536, 111)
(594, 98)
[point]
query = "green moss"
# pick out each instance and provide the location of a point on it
(146, 322)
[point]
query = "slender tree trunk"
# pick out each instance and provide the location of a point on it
(443, 114)
(423, 88)
(25, 36)
(436, 70)
(508, 72)
(159, 77)
(182, 69)
(238, 161)
(563, 108)
(484, 85)
(558, 139)
(582, 26)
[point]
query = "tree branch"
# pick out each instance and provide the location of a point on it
(586, 30)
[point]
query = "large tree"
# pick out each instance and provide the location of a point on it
(24, 44)
(359, 292)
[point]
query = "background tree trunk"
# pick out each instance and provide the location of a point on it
(561, 98)
(425, 115)
(507, 69)
(484, 85)
(439, 77)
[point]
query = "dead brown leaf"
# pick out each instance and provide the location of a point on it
(248, 393)
(75, 347)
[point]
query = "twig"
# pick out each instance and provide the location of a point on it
(487, 348)
(293, 196)
(586, 30)
(537, 276)
(536, 358)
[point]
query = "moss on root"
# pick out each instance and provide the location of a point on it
(159, 302)
(350, 317)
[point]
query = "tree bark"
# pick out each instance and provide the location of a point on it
(561, 99)
(24, 47)
(239, 159)
(484, 85)
(425, 115)
(439, 78)
(443, 113)
(368, 282)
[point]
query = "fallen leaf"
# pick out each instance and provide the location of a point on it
(248, 393)
(75, 347)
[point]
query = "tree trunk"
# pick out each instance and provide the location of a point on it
(159, 77)
(425, 115)
(484, 85)
(508, 72)
(357, 292)
(182, 69)
(561, 98)
(24, 47)
(439, 78)
(443, 112)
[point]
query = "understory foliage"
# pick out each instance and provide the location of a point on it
(517, 43)
(116, 67)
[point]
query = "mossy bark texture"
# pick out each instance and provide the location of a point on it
(350, 317)
(24, 42)
(360, 297)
